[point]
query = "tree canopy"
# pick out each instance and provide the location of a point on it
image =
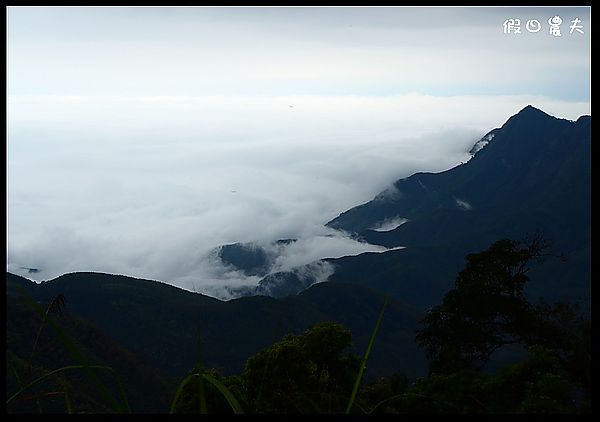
(309, 372)
(487, 309)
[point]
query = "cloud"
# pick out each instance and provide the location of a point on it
(297, 280)
(321, 243)
(482, 143)
(149, 186)
(139, 149)
(390, 193)
(389, 224)
(463, 204)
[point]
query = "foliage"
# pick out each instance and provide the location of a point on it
(378, 396)
(363, 364)
(307, 373)
(487, 309)
(538, 384)
(51, 353)
(206, 392)
(314, 372)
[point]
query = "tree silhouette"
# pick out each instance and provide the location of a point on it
(486, 310)
(307, 373)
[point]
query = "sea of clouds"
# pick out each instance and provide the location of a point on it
(150, 186)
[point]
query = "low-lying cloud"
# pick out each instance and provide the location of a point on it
(149, 186)
(389, 224)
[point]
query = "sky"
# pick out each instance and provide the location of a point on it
(142, 138)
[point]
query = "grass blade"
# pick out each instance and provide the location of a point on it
(180, 388)
(363, 364)
(75, 352)
(201, 386)
(235, 405)
(68, 403)
(51, 373)
(202, 392)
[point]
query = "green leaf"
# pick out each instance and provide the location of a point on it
(363, 364)
(235, 405)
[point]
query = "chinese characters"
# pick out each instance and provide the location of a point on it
(513, 26)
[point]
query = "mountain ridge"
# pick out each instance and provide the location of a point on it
(533, 176)
(163, 328)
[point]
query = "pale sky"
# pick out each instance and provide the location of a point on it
(295, 51)
(139, 139)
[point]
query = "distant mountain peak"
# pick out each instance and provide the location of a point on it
(529, 121)
(529, 114)
(531, 109)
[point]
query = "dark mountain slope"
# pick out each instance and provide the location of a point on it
(533, 176)
(147, 390)
(161, 323)
(533, 162)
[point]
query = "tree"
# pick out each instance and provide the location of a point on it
(538, 384)
(486, 310)
(307, 373)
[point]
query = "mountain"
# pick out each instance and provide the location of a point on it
(162, 324)
(148, 390)
(250, 258)
(531, 175)
(284, 283)
(533, 161)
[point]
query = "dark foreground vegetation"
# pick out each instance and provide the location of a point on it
(57, 362)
